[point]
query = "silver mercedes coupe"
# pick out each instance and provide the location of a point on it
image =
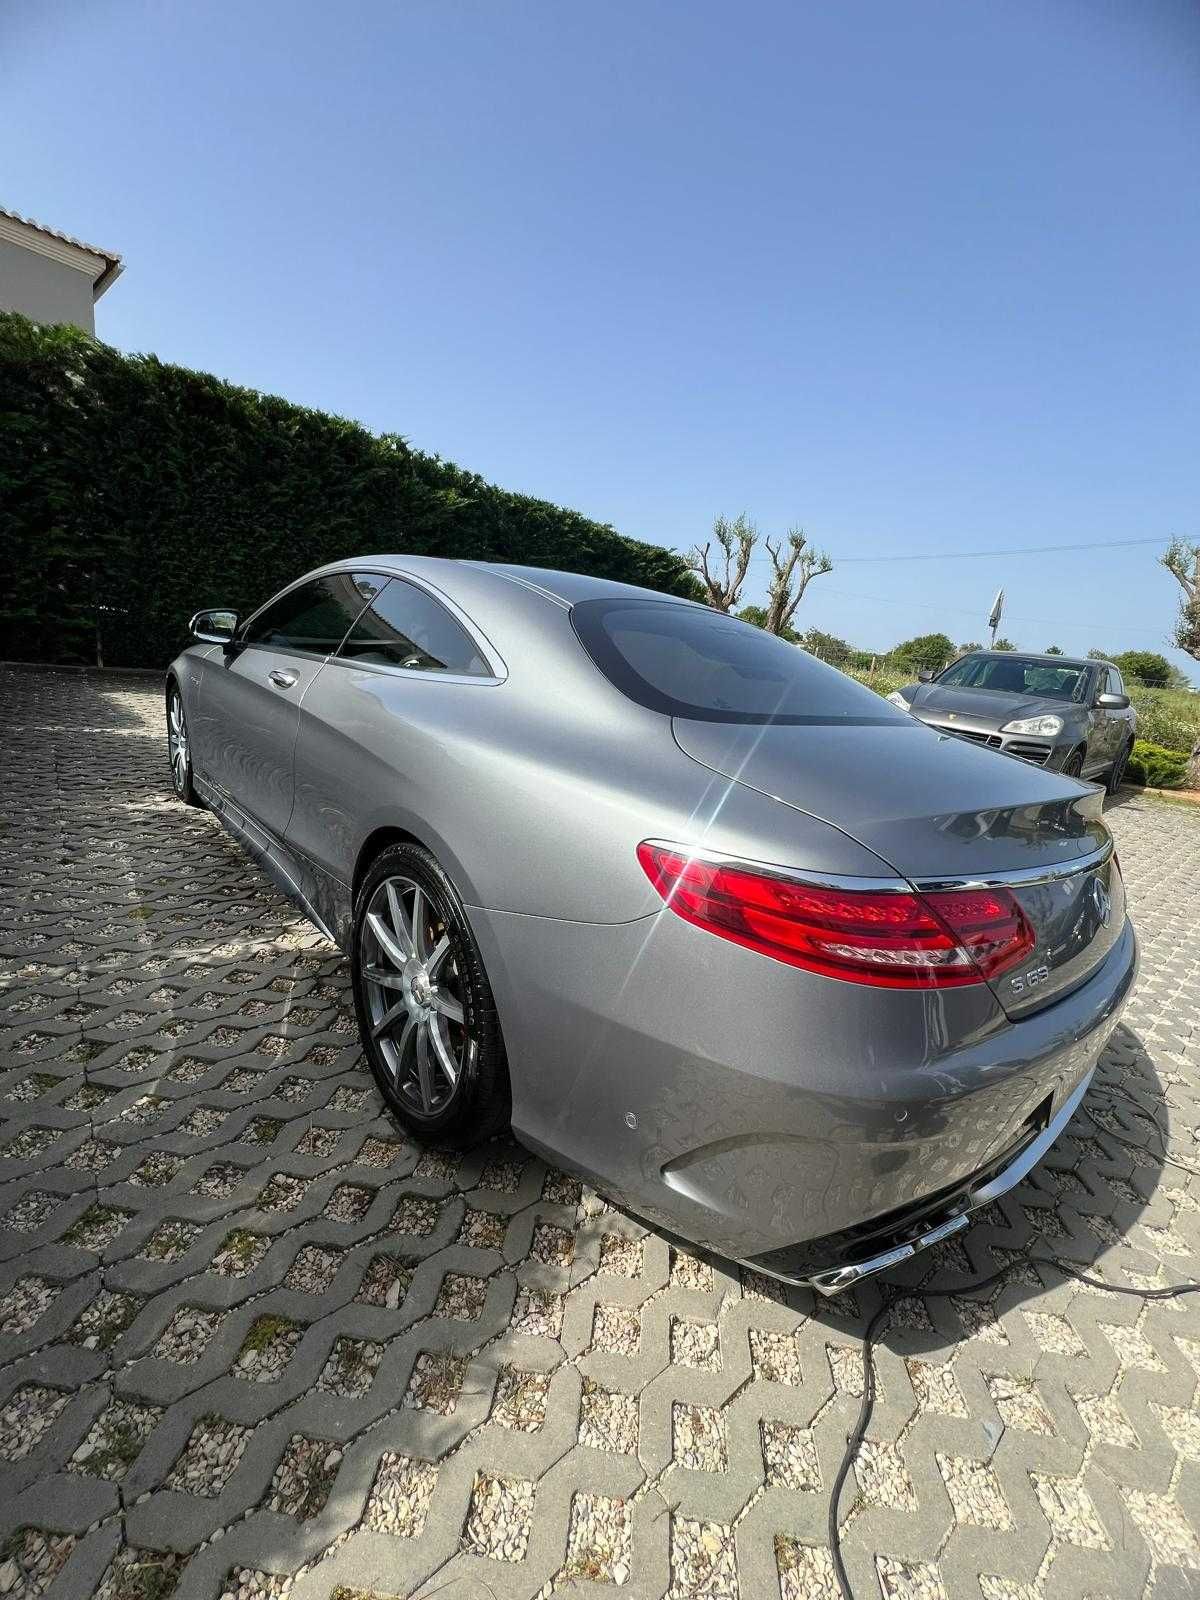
(770, 962)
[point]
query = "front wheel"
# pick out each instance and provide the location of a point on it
(1073, 765)
(425, 1009)
(179, 749)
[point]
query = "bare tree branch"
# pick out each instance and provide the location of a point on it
(736, 540)
(1182, 561)
(793, 572)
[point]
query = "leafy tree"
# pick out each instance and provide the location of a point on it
(1004, 644)
(725, 575)
(1053, 650)
(1182, 561)
(795, 565)
(1144, 666)
(930, 650)
(966, 649)
(1099, 655)
(829, 647)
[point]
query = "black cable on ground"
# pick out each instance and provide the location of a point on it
(856, 1437)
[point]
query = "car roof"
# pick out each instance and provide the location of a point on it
(565, 587)
(1038, 655)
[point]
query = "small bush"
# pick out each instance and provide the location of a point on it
(883, 680)
(1167, 717)
(1155, 767)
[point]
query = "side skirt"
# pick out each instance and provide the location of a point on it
(265, 851)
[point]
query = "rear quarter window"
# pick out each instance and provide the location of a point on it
(689, 661)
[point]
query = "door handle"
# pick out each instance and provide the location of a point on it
(281, 679)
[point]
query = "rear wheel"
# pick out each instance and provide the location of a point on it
(1118, 767)
(179, 749)
(425, 1010)
(1073, 765)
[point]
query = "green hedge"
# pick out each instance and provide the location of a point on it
(1151, 765)
(132, 493)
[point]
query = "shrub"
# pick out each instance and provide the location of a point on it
(1168, 717)
(136, 492)
(1155, 767)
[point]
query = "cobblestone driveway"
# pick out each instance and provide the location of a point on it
(253, 1343)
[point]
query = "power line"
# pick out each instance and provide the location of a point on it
(1021, 550)
(976, 612)
(976, 555)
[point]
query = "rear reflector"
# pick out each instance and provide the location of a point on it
(898, 941)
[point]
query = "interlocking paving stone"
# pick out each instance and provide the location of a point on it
(470, 1357)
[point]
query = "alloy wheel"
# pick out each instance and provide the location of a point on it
(414, 995)
(177, 743)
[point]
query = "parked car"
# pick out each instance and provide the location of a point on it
(764, 958)
(1072, 716)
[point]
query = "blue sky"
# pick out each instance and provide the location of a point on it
(920, 277)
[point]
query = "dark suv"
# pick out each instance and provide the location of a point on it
(1070, 715)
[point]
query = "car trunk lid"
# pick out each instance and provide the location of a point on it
(943, 813)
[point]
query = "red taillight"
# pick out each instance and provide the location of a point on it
(989, 923)
(897, 940)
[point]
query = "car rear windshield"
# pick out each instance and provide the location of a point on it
(1009, 674)
(688, 661)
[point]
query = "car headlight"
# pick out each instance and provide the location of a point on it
(897, 699)
(1047, 727)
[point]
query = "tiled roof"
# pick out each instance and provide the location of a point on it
(113, 262)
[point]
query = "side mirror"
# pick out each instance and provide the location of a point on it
(925, 675)
(1111, 702)
(214, 627)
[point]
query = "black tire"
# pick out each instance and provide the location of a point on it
(179, 750)
(1117, 771)
(1073, 765)
(408, 1057)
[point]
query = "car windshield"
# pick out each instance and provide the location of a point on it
(1012, 674)
(688, 661)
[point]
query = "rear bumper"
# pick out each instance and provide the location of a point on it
(769, 1114)
(889, 1243)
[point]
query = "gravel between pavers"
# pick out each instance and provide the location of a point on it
(400, 1496)
(213, 1451)
(499, 1518)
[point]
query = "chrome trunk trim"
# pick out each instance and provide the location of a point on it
(1025, 878)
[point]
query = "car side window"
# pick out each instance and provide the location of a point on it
(402, 626)
(1115, 686)
(312, 618)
